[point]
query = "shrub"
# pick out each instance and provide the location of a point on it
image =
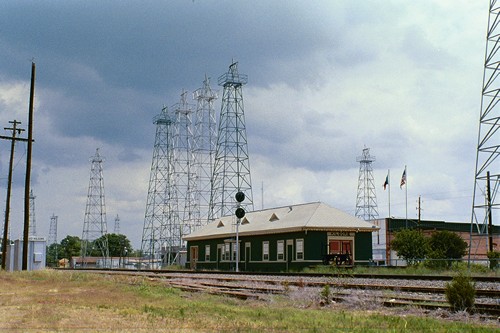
(464, 266)
(325, 294)
(410, 244)
(444, 246)
(494, 257)
(461, 293)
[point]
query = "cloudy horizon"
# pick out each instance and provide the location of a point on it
(324, 81)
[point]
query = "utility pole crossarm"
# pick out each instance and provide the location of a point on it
(15, 139)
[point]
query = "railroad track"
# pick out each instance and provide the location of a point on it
(390, 291)
(493, 279)
(318, 280)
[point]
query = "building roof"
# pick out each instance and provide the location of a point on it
(396, 224)
(315, 216)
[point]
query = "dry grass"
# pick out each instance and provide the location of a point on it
(73, 302)
(68, 301)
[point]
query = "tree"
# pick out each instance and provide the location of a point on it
(70, 247)
(410, 244)
(118, 244)
(446, 245)
(53, 254)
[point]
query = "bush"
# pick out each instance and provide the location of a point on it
(494, 257)
(464, 266)
(461, 293)
(325, 294)
(444, 246)
(410, 244)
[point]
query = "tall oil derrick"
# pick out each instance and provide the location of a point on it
(116, 229)
(183, 173)
(205, 140)
(52, 239)
(366, 202)
(32, 227)
(487, 175)
(94, 224)
(158, 234)
(232, 164)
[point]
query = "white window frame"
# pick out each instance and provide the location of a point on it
(280, 250)
(265, 251)
(299, 249)
(222, 254)
(233, 252)
(227, 251)
(207, 252)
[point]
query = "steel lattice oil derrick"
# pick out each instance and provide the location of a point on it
(232, 164)
(158, 234)
(52, 230)
(366, 201)
(487, 173)
(32, 227)
(116, 229)
(52, 239)
(205, 140)
(184, 174)
(94, 225)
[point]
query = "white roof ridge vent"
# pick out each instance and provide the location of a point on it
(220, 225)
(273, 218)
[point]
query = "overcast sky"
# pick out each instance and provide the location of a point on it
(325, 79)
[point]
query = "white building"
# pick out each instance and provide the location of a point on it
(37, 247)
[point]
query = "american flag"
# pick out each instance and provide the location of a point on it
(403, 179)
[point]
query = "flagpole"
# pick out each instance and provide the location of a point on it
(406, 195)
(389, 193)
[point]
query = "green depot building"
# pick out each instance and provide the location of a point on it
(287, 238)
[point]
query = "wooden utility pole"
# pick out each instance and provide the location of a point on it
(28, 171)
(13, 139)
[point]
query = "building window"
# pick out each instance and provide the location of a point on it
(222, 254)
(281, 250)
(227, 251)
(299, 249)
(234, 246)
(265, 251)
(207, 252)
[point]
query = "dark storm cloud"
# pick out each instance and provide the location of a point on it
(153, 45)
(110, 66)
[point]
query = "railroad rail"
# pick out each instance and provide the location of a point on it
(347, 273)
(388, 290)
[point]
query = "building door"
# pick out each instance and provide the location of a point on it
(347, 247)
(340, 250)
(334, 247)
(347, 251)
(193, 256)
(289, 253)
(247, 255)
(219, 254)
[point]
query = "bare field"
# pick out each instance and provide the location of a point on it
(69, 301)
